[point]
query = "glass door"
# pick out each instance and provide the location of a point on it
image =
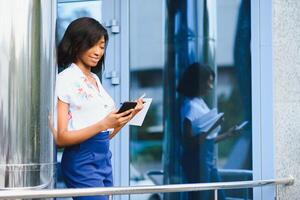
(108, 14)
(166, 37)
(147, 58)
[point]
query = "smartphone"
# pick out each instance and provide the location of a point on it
(239, 127)
(127, 105)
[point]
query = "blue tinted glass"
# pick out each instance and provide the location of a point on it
(175, 143)
(69, 11)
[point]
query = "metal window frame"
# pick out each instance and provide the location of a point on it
(262, 96)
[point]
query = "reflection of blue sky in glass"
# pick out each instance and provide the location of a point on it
(69, 11)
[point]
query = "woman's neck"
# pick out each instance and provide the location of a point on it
(86, 70)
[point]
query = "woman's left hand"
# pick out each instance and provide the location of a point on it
(139, 106)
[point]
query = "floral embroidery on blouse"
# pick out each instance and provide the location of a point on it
(88, 103)
(82, 92)
(87, 83)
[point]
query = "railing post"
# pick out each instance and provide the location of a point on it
(216, 194)
(276, 192)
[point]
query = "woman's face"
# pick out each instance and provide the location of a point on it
(92, 56)
(210, 83)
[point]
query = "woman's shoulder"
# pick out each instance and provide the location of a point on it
(67, 71)
(67, 75)
(193, 103)
(187, 104)
(188, 101)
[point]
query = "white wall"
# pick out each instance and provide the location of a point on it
(286, 65)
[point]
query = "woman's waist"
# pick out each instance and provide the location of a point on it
(99, 137)
(98, 143)
(76, 124)
(205, 144)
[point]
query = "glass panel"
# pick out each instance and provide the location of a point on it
(234, 90)
(146, 76)
(234, 79)
(67, 11)
(166, 37)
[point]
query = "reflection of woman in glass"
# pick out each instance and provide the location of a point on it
(85, 111)
(198, 148)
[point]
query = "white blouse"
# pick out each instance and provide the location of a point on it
(194, 108)
(87, 104)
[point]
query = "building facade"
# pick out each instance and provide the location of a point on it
(253, 46)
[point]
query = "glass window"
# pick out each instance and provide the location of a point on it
(67, 11)
(147, 43)
(185, 137)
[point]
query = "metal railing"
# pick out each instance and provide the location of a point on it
(48, 193)
(227, 175)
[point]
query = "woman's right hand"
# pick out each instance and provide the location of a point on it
(115, 120)
(233, 131)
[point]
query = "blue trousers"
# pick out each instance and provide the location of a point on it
(199, 167)
(88, 164)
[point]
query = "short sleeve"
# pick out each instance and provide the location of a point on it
(62, 89)
(188, 111)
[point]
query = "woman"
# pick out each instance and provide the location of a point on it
(198, 148)
(86, 115)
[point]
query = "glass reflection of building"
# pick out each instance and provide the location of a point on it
(165, 37)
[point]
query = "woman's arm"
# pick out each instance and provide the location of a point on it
(229, 133)
(189, 138)
(50, 125)
(67, 138)
(114, 133)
